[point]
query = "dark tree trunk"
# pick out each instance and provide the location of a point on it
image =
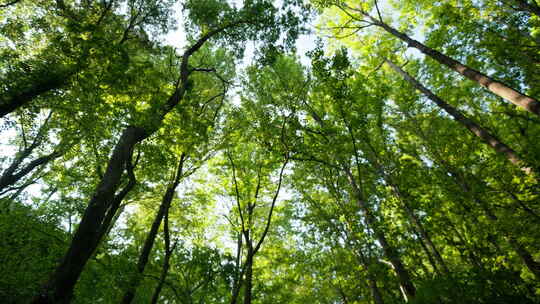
(372, 282)
(151, 237)
(428, 254)
(424, 235)
(112, 212)
(11, 102)
(425, 239)
(166, 262)
(375, 292)
(10, 177)
(60, 286)
(473, 127)
(514, 96)
(237, 284)
(248, 279)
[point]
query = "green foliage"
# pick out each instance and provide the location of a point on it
(350, 180)
(30, 248)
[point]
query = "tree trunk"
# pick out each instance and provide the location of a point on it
(151, 237)
(375, 292)
(473, 127)
(402, 274)
(372, 282)
(237, 284)
(60, 286)
(424, 235)
(425, 239)
(166, 263)
(428, 254)
(10, 177)
(248, 280)
(12, 102)
(498, 88)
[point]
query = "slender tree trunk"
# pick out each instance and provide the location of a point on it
(166, 263)
(112, 213)
(424, 235)
(428, 254)
(162, 278)
(147, 248)
(498, 88)
(237, 284)
(236, 292)
(87, 237)
(372, 282)
(375, 292)
(405, 282)
(407, 287)
(151, 237)
(473, 127)
(10, 177)
(248, 280)
(425, 239)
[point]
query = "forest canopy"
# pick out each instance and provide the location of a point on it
(259, 151)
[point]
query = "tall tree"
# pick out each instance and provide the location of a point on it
(497, 87)
(240, 24)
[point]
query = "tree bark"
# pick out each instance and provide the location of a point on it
(151, 237)
(60, 286)
(11, 102)
(498, 88)
(10, 177)
(112, 213)
(248, 279)
(425, 237)
(166, 263)
(473, 127)
(372, 282)
(237, 284)
(375, 291)
(407, 287)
